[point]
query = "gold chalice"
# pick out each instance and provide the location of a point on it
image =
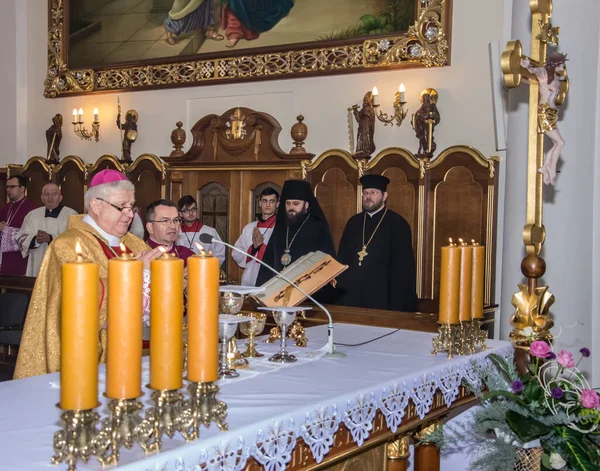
(230, 302)
(251, 329)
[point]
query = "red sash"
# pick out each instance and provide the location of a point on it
(269, 223)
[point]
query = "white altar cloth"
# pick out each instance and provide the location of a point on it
(268, 411)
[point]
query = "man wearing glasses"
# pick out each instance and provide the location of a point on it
(102, 234)
(11, 220)
(163, 223)
(192, 227)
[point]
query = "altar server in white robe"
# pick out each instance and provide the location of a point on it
(41, 226)
(255, 237)
(192, 227)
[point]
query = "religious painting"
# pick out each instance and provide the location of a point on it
(137, 44)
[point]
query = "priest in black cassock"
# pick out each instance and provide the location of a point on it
(377, 247)
(301, 228)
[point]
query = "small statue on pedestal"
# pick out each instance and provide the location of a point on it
(53, 138)
(365, 145)
(128, 133)
(424, 122)
(554, 83)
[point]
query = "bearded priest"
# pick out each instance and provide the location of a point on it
(109, 204)
(377, 247)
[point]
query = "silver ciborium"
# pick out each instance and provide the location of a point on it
(228, 324)
(231, 302)
(284, 317)
(251, 329)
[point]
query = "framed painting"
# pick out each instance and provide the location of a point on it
(109, 45)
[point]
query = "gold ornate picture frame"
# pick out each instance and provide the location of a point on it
(425, 44)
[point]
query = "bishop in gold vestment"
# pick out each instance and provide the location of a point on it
(109, 203)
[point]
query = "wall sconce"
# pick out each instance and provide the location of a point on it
(81, 131)
(399, 111)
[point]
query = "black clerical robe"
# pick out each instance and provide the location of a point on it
(312, 236)
(386, 278)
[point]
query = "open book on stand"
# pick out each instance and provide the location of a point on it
(310, 272)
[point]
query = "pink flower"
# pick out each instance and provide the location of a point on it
(565, 359)
(589, 399)
(540, 349)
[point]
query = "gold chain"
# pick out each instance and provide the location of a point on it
(365, 224)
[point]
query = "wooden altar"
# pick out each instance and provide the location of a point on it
(235, 155)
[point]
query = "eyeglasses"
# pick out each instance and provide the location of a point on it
(12, 186)
(189, 210)
(167, 222)
(132, 209)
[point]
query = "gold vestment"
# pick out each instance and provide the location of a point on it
(39, 352)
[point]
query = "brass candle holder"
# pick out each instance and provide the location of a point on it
(448, 339)
(467, 338)
(118, 430)
(161, 419)
(202, 408)
(77, 440)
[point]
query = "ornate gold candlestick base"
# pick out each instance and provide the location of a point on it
(76, 441)
(118, 430)
(161, 419)
(448, 340)
(202, 408)
(480, 335)
(467, 336)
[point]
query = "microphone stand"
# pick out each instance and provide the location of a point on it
(331, 352)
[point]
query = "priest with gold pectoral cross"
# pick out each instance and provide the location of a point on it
(377, 247)
(301, 228)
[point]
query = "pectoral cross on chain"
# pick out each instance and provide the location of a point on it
(362, 254)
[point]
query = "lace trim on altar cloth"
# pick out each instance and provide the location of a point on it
(273, 446)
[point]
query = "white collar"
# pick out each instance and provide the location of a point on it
(375, 212)
(112, 240)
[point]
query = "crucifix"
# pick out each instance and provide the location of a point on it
(548, 86)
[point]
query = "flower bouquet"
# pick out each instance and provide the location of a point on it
(551, 409)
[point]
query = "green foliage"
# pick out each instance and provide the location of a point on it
(508, 420)
(399, 17)
(526, 428)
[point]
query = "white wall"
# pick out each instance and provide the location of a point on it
(8, 82)
(465, 98)
(569, 207)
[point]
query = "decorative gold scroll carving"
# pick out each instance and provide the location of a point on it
(426, 43)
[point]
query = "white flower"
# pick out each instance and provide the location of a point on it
(556, 461)
(527, 332)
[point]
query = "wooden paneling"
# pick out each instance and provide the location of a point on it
(453, 195)
(334, 177)
(3, 195)
(38, 174)
(71, 179)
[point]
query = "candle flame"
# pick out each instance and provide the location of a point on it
(123, 248)
(162, 249)
(402, 88)
(199, 247)
(78, 248)
(450, 240)
(460, 241)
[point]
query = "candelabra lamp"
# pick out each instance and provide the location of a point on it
(76, 440)
(399, 111)
(81, 131)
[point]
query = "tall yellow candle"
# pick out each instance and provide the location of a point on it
(166, 322)
(203, 317)
(79, 334)
(478, 278)
(449, 284)
(466, 278)
(124, 346)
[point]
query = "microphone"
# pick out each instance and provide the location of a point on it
(208, 239)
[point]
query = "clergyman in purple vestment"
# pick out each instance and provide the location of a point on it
(11, 219)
